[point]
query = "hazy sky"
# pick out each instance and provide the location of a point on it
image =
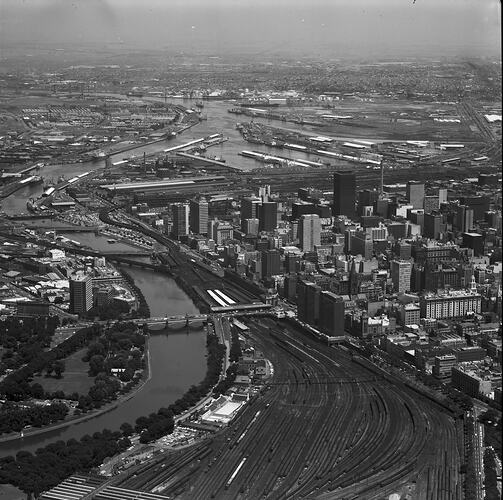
(470, 27)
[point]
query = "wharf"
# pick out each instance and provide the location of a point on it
(208, 161)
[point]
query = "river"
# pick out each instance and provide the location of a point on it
(177, 361)
(219, 120)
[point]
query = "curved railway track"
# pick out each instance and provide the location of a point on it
(325, 428)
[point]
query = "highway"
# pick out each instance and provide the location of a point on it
(325, 427)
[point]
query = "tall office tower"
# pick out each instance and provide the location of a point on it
(180, 219)
(268, 216)
(382, 207)
(479, 205)
(198, 216)
(432, 225)
(400, 275)
(464, 218)
(309, 232)
(81, 294)
(264, 193)
(249, 207)
(292, 262)
(431, 203)
(249, 226)
(442, 196)
(362, 244)
(271, 263)
(344, 194)
(367, 198)
(308, 302)
(331, 314)
(415, 194)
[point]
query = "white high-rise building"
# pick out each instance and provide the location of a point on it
(309, 232)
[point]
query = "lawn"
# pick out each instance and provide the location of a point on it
(8, 492)
(74, 379)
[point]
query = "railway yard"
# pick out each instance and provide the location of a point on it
(324, 427)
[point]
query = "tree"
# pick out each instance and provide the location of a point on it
(126, 429)
(59, 367)
(96, 364)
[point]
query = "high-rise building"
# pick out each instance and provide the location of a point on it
(475, 241)
(442, 196)
(400, 275)
(81, 294)
(268, 216)
(180, 219)
(249, 226)
(302, 208)
(479, 205)
(432, 225)
(309, 232)
(198, 216)
(331, 319)
(264, 192)
(271, 263)
(415, 194)
(464, 218)
(367, 198)
(362, 244)
(431, 203)
(344, 193)
(308, 302)
(249, 207)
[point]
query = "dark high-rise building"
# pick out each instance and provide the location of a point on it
(249, 207)
(292, 263)
(344, 193)
(464, 218)
(432, 225)
(198, 216)
(479, 205)
(308, 302)
(367, 198)
(299, 209)
(81, 294)
(290, 287)
(268, 216)
(271, 263)
(331, 314)
(180, 219)
(474, 241)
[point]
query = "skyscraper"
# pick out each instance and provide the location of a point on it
(180, 219)
(308, 302)
(271, 263)
(344, 193)
(464, 218)
(331, 314)
(268, 216)
(81, 294)
(432, 225)
(249, 207)
(309, 232)
(400, 275)
(198, 216)
(415, 194)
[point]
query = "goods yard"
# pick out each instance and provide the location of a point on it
(325, 427)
